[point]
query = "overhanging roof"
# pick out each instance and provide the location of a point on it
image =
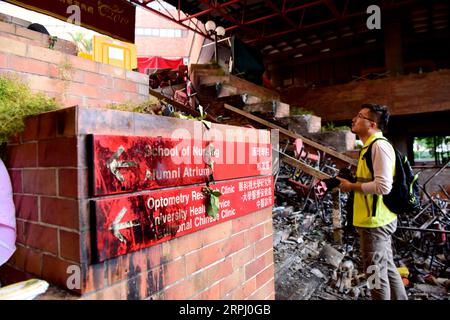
(283, 29)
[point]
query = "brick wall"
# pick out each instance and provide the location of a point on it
(160, 46)
(9, 29)
(411, 94)
(42, 163)
(68, 78)
(189, 46)
(48, 164)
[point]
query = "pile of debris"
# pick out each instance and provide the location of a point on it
(310, 265)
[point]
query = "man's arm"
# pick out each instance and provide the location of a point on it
(383, 159)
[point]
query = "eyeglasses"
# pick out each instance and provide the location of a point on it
(361, 116)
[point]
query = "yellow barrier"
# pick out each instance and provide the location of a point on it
(114, 52)
(86, 55)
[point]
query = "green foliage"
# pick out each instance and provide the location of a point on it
(431, 148)
(84, 44)
(52, 41)
(17, 101)
(65, 70)
(201, 118)
(212, 204)
(150, 106)
(153, 106)
(330, 127)
(298, 111)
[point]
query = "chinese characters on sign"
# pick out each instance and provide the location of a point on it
(129, 223)
(137, 165)
(128, 164)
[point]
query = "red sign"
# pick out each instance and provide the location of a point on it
(129, 164)
(129, 223)
(116, 18)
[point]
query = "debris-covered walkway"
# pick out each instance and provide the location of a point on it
(311, 265)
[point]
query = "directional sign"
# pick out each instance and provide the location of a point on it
(113, 164)
(129, 223)
(128, 164)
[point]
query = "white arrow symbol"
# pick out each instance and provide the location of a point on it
(116, 226)
(113, 164)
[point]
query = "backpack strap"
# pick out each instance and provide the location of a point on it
(368, 157)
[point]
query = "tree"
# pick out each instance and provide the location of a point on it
(84, 44)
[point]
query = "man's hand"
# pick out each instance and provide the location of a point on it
(345, 185)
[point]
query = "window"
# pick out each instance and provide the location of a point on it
(155, 32)
(165, 33)
(431, 150)
(116, 53)
(171, 33)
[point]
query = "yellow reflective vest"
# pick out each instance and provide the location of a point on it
(362, 205)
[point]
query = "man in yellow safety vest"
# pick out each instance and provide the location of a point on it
(375, 227)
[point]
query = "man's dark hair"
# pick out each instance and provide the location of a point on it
(379, 113)
(38, 27)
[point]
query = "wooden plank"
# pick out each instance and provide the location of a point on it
(303, 166)
(275, 141)
(291, 134)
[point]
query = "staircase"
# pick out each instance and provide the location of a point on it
(231, 100)
(235, 101)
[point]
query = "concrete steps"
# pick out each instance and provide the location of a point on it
(216, 88)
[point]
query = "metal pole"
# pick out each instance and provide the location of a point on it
(424, 230)
(215, 48)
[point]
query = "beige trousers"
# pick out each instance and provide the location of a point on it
(378, 260)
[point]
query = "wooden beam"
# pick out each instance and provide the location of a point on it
(303, 166)
(291, 134)
(179, 106)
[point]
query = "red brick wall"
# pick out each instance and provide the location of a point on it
(42, 162)
(189, 46)
(158, 46)
(68, 78)
(231, 260)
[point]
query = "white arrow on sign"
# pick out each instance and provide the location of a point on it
(116, 226)
(113, 164)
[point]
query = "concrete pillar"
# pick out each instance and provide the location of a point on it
(393, 51)
(275, 73)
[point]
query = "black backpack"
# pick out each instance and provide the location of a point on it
(404, 196)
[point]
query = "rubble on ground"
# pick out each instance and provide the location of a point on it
(310, 265)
